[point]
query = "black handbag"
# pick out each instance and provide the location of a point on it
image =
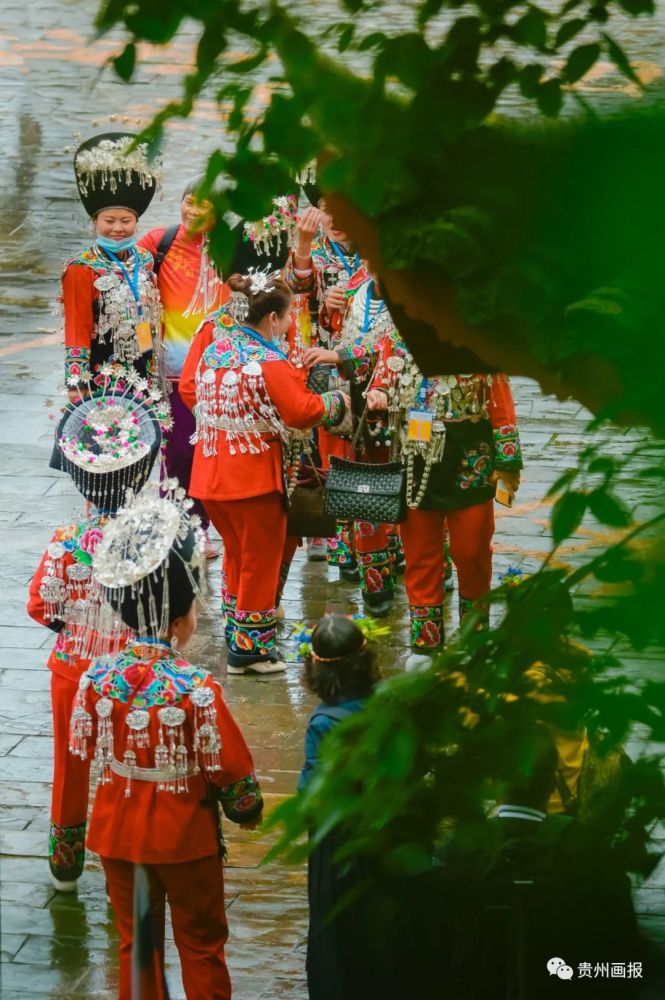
(363, 491)
(306, 516)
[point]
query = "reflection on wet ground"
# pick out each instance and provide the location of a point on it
(66, 948)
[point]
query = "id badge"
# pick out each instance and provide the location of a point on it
(144, 337)
(419, 427)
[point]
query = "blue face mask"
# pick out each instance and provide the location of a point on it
(115, 246)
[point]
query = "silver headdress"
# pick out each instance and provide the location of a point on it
(108, 441)
(267, 234)
(149, 554)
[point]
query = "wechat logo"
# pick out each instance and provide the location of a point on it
(557, 967)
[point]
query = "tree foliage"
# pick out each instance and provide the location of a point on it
(533, 243)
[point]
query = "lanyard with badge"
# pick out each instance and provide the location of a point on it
(143, 329)
(344, 259)
(420, 421)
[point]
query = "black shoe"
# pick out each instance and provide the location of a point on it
(378, 605)
(351, 574)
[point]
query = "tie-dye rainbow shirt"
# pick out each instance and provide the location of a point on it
(177, 281)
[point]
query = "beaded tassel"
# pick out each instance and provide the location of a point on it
(80, 726)
(207, 740)
(104, 746)
(171, 749)
(206, 294)
(53, 590)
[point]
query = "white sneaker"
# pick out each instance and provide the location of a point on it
(258, 667)
(417, 662)
(63, 885)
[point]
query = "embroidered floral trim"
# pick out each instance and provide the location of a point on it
(333, 413)
(376, 574)
(236, 350)
(254, 634)
(242, 800)
(341, 548)
(467, 606)
(66, 851)
(507, 448)
(77, 363)
(145, 675)
(356, 360)
(426, 626)
(476, 468)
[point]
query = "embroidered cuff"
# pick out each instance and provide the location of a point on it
(242, 801)
(77, 363)
(354, 361)
(334, 409)
(297, 280)
(507, 449)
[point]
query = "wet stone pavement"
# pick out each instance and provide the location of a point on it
(66, 948)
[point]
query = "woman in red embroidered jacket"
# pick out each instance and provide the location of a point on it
(109, 293)
(107, 444)
(457, 435)
(167, 748)
(246, 394)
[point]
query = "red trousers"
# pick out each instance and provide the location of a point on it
(69, 795)
(195, 894)
(471, 531)
(332, 444)
(254, 535)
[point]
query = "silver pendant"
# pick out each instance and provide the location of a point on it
(104, 707)
(79, 571)
(172, 716)
(202, 697)
(138, 719)
(104, 283)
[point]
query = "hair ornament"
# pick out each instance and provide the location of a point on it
(266, 234)
(370, 628)
(238, 307)
(259, 280)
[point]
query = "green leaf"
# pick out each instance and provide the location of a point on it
(372, 41)
(408, 57)
(606, 509)
(124, 63)
(345, 37)
(549, 98)
(247, 64)
(570, 5)
(567, 515)
(636, 7)
(569, 29)
(580, 61)
(529, 79)
(603, 464)
(620, 60)
(531, 29)
(565, 479)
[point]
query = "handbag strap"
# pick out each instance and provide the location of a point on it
(359, 429)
